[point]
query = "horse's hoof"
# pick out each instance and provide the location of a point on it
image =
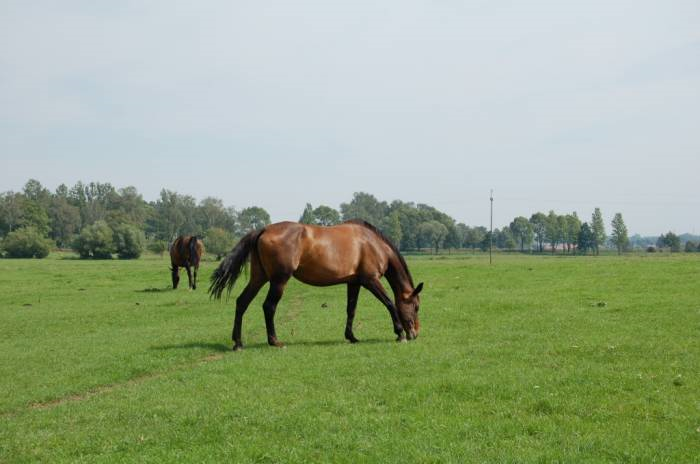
(401, 339)
(237, 347)
(353, 340)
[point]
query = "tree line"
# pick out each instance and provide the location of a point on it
(98, 220)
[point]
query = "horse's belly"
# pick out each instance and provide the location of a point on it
(323, 266)
(321, 276)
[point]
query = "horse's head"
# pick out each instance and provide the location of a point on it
(407, 307)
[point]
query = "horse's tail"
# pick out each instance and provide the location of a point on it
(194, 256)
(230, 268)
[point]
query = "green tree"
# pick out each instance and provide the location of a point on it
(462, 231)
(571, 227)
(563, 233)
(522, 231)
(173, 215)
(433, 234)
(252, 218)
(95, 241)
(34, 191)
(62, 191)
(538, 221)
(128, 241)
(429, 213)
(553, 230)
(598, 227)
(125, 206)
(504, 239)
(690, 246)
(661, 242)
(219, 241)
(10, 211)
(619, 236)
(307, 217)
(96, 200)
(26, 242)
(326, 216)
(391, 227)
(35, 215)
(486, 241)
(158, 247)
(65, 220)
(475, 236)
(211, 213)
(586, 239)
(410, 219)
(364, 206)
(672, 241)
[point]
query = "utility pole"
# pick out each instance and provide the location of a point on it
(491, 233)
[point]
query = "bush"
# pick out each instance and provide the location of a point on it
(651, 249)
(158, 247)
(95, 241)
(691, 246)
(128, 241)
(219, 241)
(26, 242)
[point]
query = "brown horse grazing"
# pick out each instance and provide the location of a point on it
(354, 253)
(186, 251)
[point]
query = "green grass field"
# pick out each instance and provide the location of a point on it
(533, 359)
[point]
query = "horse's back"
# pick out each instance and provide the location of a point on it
(321, 255)
(180, 253)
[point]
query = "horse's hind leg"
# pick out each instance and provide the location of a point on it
(242, 303)
(257, 280)
(270, 306)
(353, 294)
(189, 276)
(194, 281)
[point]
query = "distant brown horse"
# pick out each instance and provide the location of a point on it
(354, 253)
(186, 251)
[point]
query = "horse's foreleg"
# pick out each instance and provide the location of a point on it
(353, 294)
(270, 306)
(242, 303)
(175, 274)
(375, 286)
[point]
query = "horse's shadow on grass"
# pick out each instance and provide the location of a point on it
(190, 345)
(154, 290)
(221, 347)
(368, 341)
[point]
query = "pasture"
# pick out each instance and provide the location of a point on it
(533, 359)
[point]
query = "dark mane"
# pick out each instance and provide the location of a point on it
(386, 240)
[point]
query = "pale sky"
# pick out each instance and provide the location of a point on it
(555, 105)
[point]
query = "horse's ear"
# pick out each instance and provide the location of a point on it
(418, 289)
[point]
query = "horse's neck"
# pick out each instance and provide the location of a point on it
(397, 277)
